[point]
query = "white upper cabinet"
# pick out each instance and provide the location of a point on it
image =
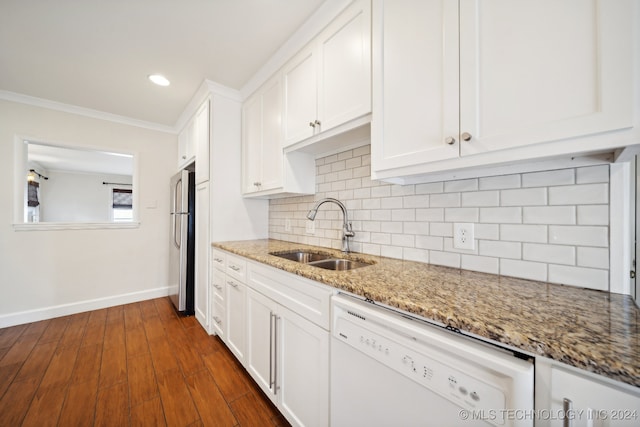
(329, 82)
(265, 169)
(193, 143)
(457, 82)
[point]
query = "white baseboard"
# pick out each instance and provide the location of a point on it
(38, 314)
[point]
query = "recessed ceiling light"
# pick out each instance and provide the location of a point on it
(159, 79)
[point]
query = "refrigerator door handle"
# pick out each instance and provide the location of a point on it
(176, 228)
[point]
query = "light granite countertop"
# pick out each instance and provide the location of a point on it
(592, 330)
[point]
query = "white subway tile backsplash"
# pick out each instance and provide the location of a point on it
(444, 258)
(579, 235)
(541, 225)
(523, 233)
(523, 197)
(523, 269)
(585, 194)
(593, 257)
(446, 200)
(480, 263)
(593, 215)
(579, 276)
(481, 198)
(461, 214)
(555, 254)
(500, 182)
(501, 215)
(592, 174)
(549, 178)
(500, 249)
(560, 215)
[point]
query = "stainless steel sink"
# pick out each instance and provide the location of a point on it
(302, 257)
(321, 260)
(339, 264)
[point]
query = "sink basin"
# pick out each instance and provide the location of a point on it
(302, 257)
(338, 264)
(320, 260)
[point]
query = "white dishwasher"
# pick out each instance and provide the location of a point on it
(389, 369)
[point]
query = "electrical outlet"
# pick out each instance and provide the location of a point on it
(287, 225)
(463, 237)
(311, 227)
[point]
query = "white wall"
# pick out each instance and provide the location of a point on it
(54, 272)
(549, 226)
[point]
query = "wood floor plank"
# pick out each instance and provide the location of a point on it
(141, 379)
(114, 334)
(133, 316)
(38, 361)
(36, 328)
(88, 362)
(15, 402)
(136, 341)
(231, 383)
(113, 367)
(11, 334)
(165, 308)
(112, 408)
(94, 333)
(179, 409)
(249, 411)
(55, 330)
(80, 404)
(46, 407)
(162, 356)
(213, 409)
(115, 314)
(7, 374)
(153, 327)
(60, 368)
(148, 309)
(203, 342)
(149, 413)
(20, 351)
(75, 330)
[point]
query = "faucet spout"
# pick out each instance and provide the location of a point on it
(347, 229)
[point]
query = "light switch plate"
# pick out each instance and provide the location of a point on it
(463, 237)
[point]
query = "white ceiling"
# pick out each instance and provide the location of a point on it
(97, 54)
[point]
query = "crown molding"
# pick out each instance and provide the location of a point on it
(207, 88)
(82, 111)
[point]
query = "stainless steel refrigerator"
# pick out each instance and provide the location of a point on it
(182, 245)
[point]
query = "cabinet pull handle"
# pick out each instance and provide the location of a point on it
(184, 157)
(217, 260)
(235, 285)
(567, 406)
(257, 184)
(217, 319)
(218, 287)
(275, 355)
(466, 136)
(317, 122)
(271, 380)
(234, 268)
(312, 124)
(450, 140)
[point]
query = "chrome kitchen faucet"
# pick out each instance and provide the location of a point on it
(347, 230)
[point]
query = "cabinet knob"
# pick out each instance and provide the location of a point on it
(184, 157)
(257, 184)
(450, 140)
(466, 136)
(312, 124)
(317, 122)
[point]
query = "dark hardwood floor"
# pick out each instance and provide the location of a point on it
(137, 364)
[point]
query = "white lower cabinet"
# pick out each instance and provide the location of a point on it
(288, 356)
(236, 315)
(566, 396)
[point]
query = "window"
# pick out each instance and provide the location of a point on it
(122, 204)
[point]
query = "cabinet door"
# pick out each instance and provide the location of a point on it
(236, 296)
(303, 369)
(272, 157)
(252, 144)
(344, 89)
(592, 403)
(185, 150)
(201, 141)
(202, 245)
(300, 97)
(415, 82)
(259, 360)
(543, 70)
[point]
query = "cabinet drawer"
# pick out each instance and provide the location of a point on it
(302, 296)
(236, 267)
(218, 284)
(218, 319)
(218, 259)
